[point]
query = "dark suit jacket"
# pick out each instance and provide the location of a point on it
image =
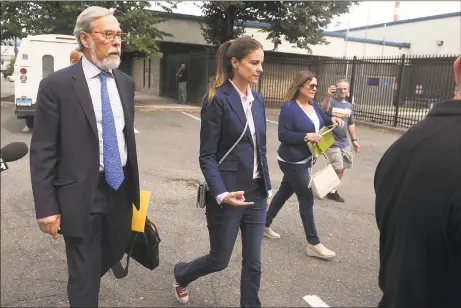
(294, 124)
(418, 212)
(223, 121)
(64, 150)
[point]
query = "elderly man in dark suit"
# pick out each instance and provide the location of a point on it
(83, 159)
(418, 211)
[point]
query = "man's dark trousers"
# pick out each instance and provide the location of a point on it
(90, 257)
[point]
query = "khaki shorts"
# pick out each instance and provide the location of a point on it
(340, 158)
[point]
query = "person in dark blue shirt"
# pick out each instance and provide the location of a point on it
(300, 121)
(340, 153)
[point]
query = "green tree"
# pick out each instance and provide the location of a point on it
(298, 22)
(19, 19)
(9, 67)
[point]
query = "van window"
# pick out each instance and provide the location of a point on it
(47, 65)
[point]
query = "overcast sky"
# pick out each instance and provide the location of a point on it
(379, 11)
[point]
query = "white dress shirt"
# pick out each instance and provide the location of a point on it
(246, 100)
(93, 80)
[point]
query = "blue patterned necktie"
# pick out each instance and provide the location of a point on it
(112, 163)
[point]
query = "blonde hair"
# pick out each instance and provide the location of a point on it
(298, 82)
(239, 49)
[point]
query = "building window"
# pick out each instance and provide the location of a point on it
(373, 81)
(47, 65)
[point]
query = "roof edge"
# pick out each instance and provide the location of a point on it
(405, 21)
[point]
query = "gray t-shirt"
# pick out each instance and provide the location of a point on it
(342, 110)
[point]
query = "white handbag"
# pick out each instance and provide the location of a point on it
(323, 181)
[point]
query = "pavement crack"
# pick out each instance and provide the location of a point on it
(29, 298)
(353, 211)
(18, 227)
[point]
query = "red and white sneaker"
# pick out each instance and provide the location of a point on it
(181, 294)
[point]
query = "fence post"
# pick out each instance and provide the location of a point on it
(206, 70)
(351, 84)
(396, 102)
(260, 82)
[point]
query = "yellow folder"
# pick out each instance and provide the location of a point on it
(139, 217)
(323, 145)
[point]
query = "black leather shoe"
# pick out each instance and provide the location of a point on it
(336, 197)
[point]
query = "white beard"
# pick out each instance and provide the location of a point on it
(106, 64)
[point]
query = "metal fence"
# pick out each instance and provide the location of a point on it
(394, 91)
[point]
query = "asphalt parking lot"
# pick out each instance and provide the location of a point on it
(33, 265)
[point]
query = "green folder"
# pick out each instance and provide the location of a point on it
(323, 145)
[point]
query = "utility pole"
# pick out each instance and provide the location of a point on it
(347, 36)
(15, 46)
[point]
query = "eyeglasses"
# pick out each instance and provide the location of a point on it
(110, 36)
(312, 86)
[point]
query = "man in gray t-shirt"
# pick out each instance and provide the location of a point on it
(340, 153)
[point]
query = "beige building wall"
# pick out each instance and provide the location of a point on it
(337, 47)
(189, 32)
(141, 76)
(183, 31)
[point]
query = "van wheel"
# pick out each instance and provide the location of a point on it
(30, 122)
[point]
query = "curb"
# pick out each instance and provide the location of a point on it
(196, 110)
(145, 108)
(273, 111)
(9, 105)
(390, 129)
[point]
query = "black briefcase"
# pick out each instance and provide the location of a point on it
(143, 247)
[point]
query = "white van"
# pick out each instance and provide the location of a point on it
(38, 57)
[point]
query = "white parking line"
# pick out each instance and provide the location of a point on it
(314, 301)
(190, 115)
(199, 119)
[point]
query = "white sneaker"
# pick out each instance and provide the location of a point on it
(181, 294)
(319, 251)
(271, 234)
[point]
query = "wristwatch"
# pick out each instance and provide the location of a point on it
(355, 139)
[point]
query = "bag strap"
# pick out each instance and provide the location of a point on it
(241, 136)
(117, 269)
(331, 127)
(314, 160)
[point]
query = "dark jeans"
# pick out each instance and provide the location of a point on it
(296, 180)
(223, 226)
